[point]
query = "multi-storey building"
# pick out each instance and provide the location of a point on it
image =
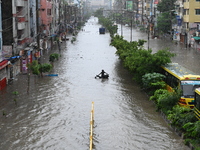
(45, 17)
(3, 63)
(28, 28)
(191, 22)
(32, 31)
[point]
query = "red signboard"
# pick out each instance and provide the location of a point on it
(155, 1)
(2, 83)
(3, 64)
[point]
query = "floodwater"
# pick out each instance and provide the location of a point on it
(53, 113)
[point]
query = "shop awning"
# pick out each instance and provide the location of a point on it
(196, 37)
(14, 57)
(3, 64)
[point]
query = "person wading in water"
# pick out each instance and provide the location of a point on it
(102, 74)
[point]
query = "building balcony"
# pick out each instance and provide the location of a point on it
(186, 5)
(186, 18)
(20, 3)
(21, 25)
(22, 40)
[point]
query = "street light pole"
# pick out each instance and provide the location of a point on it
(131, 27)
(121, 25)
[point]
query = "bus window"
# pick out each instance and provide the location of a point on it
(189, 87)
(175, 82)
(188, 91)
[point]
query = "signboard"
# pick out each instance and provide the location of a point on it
(179, 22)
(155, 1)
(129, 5)
(7, 51)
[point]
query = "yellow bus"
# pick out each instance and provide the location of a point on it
(197, 103)
(183, 79)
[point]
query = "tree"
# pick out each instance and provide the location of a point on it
(53, 57)
(165, 19)
(164, 22)
(139, 60)
(44, 68)
(39, 69)
(98, 13)
(166, 5)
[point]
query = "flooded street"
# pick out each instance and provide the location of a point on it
(53, 113)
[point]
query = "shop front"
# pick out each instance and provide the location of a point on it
(3, 74)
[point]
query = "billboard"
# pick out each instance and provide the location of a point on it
(7, 51)
(129, 5)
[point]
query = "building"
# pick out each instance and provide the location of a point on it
(191, 23)
(3, 63)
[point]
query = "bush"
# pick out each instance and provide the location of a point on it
(34, 67)
(54, 57)
(192, 130)
(139, 60)
(165, 100)
(179, 116)
(153, 81)
(38, 69)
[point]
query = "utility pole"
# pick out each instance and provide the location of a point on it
(131, 26)
(65, 20)
(142, 12)
(149, 20)
(37, 22)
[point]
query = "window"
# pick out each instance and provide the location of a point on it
(197, 11)
(49, 12)
(197, 102)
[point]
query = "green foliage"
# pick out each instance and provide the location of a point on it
(54, 57)
(165, 19)
(164, 22)
(139, 60)
(73, 39)
(165, 100)
(157, 94)
(192, 130)
(38, 69)
(152, 82)
(161, 58)
(179, 116)
(192, 133)
(166, 5)
(15, 92)
(98, 13)
(45, 68)
(108, 24)
(34, 67)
